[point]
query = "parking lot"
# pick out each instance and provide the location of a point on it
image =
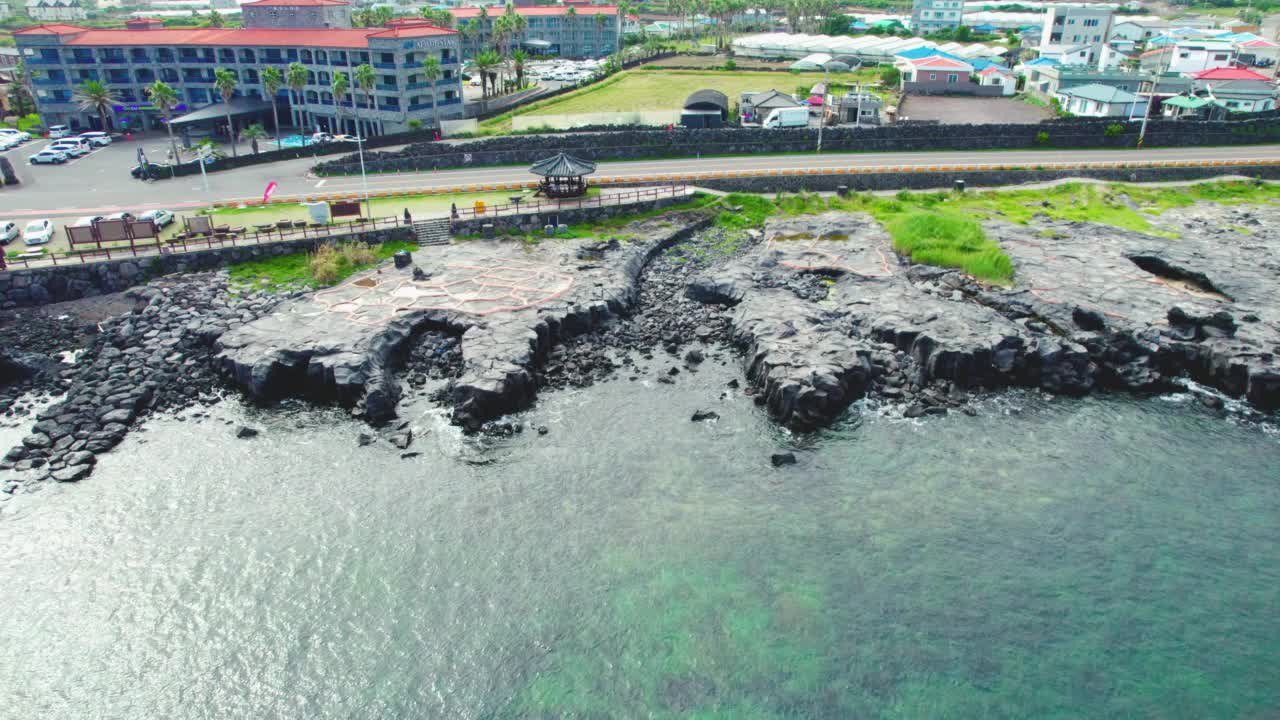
(952, 110)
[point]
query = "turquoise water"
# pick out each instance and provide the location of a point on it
(293, 141)
(1095, 558)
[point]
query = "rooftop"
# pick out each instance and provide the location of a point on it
(356, 38)
(1102, 94)
(538, 11)
(293, 3)
(1230, 74)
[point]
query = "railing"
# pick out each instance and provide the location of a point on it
(551, 205)
(37, 60)
(417, 85)
(50, 81)
(421, 106)
(384, 65)
(222, 236)
(453, 101)
(386, 88)
(447, 81)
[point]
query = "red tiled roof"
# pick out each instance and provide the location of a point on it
(357, 38)
(50, 29)
(1230, 74)
(295, 3)
(538, 11)
(938, 62)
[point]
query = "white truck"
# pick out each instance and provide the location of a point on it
(792, 117)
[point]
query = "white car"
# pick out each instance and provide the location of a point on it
(160, 217)
(8, 142)
(38, 232)
(72, 148)
(8, 231)
(10, 132)
(58, 131)
(126, 215)
(48, 156)
(97, 139)
(346, 138)
(86, 220)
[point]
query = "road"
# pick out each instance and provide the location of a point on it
(99, 184)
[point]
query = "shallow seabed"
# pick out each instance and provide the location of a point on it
(1099, 558)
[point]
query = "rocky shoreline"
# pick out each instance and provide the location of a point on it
(819, 310)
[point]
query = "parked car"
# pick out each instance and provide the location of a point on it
(86, 220)
(789, 117)
(10, 132)
(8, 142)
(58, 131)
(121, 216)
(48, 156)
(8, 231)
(38, 232)
(321, 137)
(73, 148)
(99, 139)
(161, 218)
(346, 138)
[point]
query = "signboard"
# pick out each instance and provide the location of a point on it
(112, 230)
(344, 209)
(139, 107)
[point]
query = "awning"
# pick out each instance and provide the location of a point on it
(212, 113)
(1189, 103)
(540, 44)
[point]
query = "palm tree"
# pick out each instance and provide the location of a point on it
(94, 96)
(23, 78)
(431, 68)
(253, 134)
(164, 98)
(598, 19)
(484, 63)
(365, 80)
(225, 80)
(340, 87)
(272, 81)
(624, 9)
(382, 15)
(518, 59)
(295, 76)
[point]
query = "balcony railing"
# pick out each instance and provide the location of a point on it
(450, 101)
(386, 88)
(385, 66)
(82, 60)
(37, 60)
(389, 108)
(421, 106)
(114, 61)
(446, 82)
(50, 81)
(417, 85)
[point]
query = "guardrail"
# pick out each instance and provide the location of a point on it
(226, 237)
(553, 205)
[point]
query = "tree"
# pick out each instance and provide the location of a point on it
(598, 21)
(340, 86)
(365, 80)
(295, 76)
(272, 81)
(23, 77)
(215, 20)
(484, 63)
(94, 96)
(518, 59)
(439, 18)
(164, 98)
(624, 10)
(225, 80)
(253, 134)
(382, 15)
(431, 68)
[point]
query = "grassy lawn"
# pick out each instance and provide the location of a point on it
(420, 206)
(664, 89)
(309, 270)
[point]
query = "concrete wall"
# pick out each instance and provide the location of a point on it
(40, 286)
(681, 142)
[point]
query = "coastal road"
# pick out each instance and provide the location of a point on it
(100, 184)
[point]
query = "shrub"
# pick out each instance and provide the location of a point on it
(890, 76)
(330, 264)
(415, 124)
(1042, 138)
(950, 240)
(730, 64)
(1113, 130)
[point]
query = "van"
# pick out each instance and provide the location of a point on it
(70, 146)
(58, 131)
(792, 117)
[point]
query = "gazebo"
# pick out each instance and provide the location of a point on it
(563, 175)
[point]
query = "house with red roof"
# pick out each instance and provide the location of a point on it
(568, 31)
(1236, 89)
(941, 75)
(316, 34)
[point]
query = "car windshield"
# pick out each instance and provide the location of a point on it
(35, 226)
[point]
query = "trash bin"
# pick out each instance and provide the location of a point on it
(960, 186)
(402, 259)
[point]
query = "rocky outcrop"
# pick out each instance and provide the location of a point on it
(510, 303)
(826, 312)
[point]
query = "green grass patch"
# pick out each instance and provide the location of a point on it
(313, 269)
(950, 240)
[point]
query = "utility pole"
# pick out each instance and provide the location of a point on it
(822, 120)
(1146, 114)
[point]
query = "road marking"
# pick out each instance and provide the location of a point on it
(322, 182)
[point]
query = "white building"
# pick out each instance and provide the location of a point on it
(55, 10)
(931, 16)
(997, 75)
(1189, 56)
(1095, 100)
(1077, 25)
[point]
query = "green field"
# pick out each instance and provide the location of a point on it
(663, 89)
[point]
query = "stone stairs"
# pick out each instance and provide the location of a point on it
(432, 232)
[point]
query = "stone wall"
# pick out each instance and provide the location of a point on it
(534, 222)
(40, 286)
(682, 142)
(947, 180)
